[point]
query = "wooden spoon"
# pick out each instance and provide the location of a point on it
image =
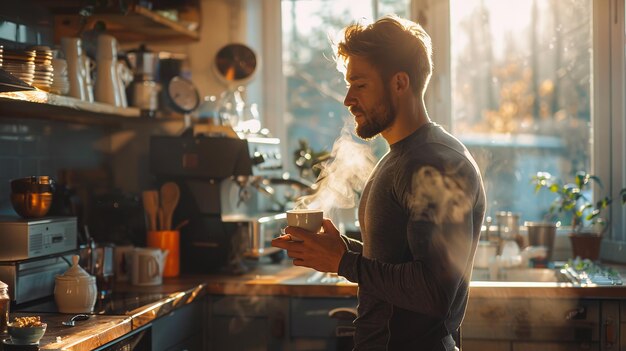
(150, 200)
(170, 193)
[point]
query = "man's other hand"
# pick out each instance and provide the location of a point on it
(321, 251)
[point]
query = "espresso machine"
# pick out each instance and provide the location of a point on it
(230, 221)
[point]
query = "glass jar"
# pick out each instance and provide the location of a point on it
(4, 306)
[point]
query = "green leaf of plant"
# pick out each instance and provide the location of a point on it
(604, 203)
(593, 214)
(597, 180)
(581, 179)
(585, 206)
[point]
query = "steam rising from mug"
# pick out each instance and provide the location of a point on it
(343, 176)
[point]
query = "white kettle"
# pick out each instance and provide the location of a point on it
(75, 290)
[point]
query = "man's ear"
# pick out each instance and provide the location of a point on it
(400, 83)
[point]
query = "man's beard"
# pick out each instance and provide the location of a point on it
(376, 120)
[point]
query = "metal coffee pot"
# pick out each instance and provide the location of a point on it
(144, 90)
(144, 63)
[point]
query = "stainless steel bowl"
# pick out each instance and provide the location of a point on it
(31, 197)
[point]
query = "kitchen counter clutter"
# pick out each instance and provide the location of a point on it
(126, 312)
(131, 309)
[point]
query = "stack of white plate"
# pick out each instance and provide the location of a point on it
(20, 63)
(0, 55)
(43, 74)
(60, 82)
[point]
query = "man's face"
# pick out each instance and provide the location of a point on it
(368, 99)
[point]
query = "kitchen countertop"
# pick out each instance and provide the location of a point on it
(271, 279)
(288, 280)
(86, 335)
(101, 329)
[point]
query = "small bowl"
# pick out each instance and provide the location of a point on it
(26, 335)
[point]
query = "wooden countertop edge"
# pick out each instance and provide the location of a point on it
(556, 292)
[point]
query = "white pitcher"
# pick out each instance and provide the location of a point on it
(108, 89)
(76, 73)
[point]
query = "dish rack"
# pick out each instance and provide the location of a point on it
(587, 272)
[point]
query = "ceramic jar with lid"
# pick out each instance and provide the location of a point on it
(75, 290)
(5, 301)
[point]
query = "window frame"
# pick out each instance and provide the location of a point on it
(611, 131)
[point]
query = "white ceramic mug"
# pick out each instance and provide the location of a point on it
(147, 266)
(308, 219)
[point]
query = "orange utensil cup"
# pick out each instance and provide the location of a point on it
(167, 240)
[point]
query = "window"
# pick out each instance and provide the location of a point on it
(527, 85)
(538, 85)
(521, 94)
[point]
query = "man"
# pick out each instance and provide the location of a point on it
(421, 209)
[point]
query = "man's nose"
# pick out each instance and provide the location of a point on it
(348, 100)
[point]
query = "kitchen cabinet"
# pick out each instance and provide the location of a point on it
(622, 326)
(181, 329)
(520, 324)
(310, 326)
(273, 323)
(248, 323)
(610, 325)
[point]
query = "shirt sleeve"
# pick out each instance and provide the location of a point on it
(352, 244)
(348, 264)
(440, 230)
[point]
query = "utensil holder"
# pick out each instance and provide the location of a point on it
(167, 240)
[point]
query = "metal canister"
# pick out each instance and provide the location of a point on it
(508, 225)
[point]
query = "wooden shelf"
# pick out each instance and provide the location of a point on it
(138, 25)
(37, 104)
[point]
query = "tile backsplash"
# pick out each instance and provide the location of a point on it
(39, 147)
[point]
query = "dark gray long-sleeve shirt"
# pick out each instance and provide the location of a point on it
(420, 216)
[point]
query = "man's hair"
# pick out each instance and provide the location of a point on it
(392, 45)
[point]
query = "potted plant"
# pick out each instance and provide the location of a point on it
(572, 202)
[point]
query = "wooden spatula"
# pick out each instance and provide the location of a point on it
(170, 193)
(150, 200)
